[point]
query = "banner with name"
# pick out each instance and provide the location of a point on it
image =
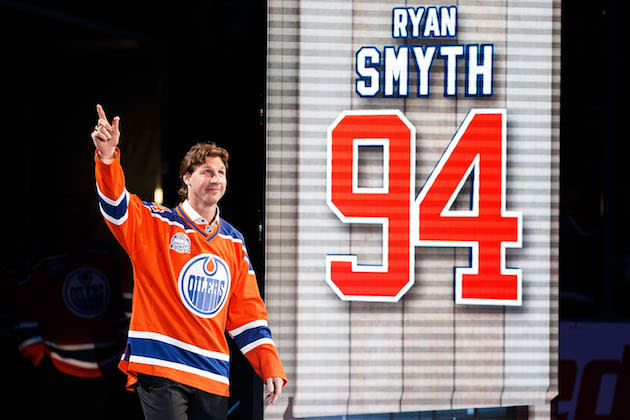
(412, 204)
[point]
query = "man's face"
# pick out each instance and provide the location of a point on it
(206, 185)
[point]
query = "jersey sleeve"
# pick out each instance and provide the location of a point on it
(247, 323)
(122, 211)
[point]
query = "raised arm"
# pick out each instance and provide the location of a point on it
(122, 211)
(106, 136)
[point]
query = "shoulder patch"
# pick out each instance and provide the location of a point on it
(158, 207)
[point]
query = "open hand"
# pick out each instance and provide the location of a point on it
(274, 389)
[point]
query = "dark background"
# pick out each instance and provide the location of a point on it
(175, 75)
(179, 74)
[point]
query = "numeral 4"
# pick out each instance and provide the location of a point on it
(478, 149)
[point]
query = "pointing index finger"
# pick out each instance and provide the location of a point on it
(101, 112)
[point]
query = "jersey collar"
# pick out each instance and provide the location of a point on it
(196, 217)
(197, 222)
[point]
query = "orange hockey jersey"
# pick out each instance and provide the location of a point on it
(192, 283)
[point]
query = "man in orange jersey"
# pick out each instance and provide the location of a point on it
(193, 281)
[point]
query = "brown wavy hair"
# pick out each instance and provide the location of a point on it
(195, 157)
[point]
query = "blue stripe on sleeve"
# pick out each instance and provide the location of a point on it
(116, 212)
(251, 335)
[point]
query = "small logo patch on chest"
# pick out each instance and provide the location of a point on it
(203, 285)
(180, 242)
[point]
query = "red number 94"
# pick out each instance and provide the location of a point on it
(487, 228)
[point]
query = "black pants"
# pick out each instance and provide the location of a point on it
(164, 399)
(55, 395)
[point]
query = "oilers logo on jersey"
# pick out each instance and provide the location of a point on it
(203, 284)
(86, 292)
